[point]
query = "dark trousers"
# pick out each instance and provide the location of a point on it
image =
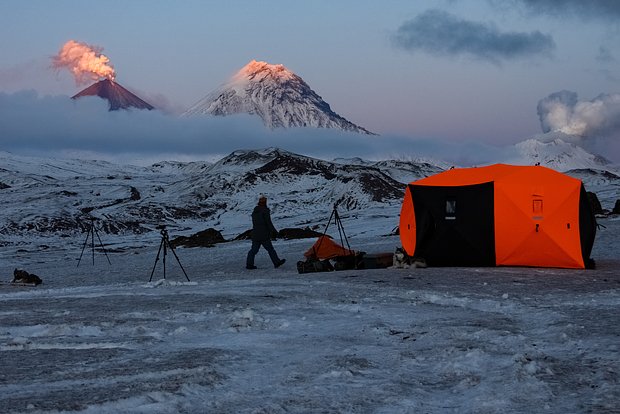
(256, 244)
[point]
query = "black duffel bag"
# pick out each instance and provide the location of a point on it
(314, 265)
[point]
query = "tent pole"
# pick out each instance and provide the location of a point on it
(316, 251)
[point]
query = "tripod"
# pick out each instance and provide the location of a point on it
(92, 231)
(343, 236)
(165, 244)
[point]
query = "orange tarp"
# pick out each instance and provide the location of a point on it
(326, 248)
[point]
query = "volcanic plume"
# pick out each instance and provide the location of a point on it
(84, 61)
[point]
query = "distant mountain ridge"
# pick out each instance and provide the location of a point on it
(277, 95)
(42, 196)
(47, 196)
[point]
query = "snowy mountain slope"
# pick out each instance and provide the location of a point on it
(301, 190)
(277, 95)
(559, 155)
(45, 197)
(175, 167)
(60, 196)
(400, 170)
(52, 196)
(605, 184)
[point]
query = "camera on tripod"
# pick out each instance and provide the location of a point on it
(165, 246)
(91, 233)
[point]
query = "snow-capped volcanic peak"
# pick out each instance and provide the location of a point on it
(259, 71)
(277, 95)
(559, 155)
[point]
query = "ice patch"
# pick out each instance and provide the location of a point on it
(168, 283)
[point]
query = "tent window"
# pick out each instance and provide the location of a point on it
(537, 206)
(450, 209)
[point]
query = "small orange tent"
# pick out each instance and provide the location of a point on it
(325, 248)
(500, 215)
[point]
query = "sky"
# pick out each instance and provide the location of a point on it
(444, 74)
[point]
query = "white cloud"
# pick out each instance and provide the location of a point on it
(58, 125)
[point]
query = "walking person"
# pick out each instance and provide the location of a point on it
(262, 229)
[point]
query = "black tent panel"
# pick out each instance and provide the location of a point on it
(587, 227)
(454, 224)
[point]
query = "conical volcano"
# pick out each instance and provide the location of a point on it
(117, 96)
(280, 97)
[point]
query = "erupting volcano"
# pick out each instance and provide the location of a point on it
(117, 96)
(277, 95)
(87, 63)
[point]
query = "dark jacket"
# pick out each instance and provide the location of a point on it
(262, 227)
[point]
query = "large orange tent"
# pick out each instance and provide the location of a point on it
(500, 215)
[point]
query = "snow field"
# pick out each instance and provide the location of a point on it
(102, 339)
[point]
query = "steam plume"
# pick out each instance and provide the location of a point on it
(85, 62)
(564, 112)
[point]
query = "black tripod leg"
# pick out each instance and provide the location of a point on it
(316, 251)
(346, 239)
(83, 247)
(343, 234)
(339, 227)
(157, 259)
(165, 253)
(178, 261)
(103, 248)
(92, 243)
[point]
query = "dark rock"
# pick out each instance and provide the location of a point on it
(69, 226)
(294, 233)
(135, 194)
(182, 213)
(3, 186)
(595, 204)
(382, 187)
(616, 209)
(21, 276)
(123, 227)
(286, 234)
(286, 164)
(205, 238)
(246, 235)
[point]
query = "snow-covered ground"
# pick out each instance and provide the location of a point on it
(100, 338)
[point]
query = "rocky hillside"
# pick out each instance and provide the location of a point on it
(59, 197)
